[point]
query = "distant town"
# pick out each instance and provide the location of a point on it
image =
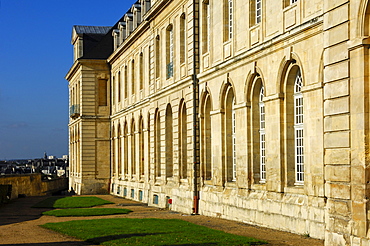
(49, 166)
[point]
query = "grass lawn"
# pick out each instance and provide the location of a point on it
(71, 202)
(86, 212)
(125, 231)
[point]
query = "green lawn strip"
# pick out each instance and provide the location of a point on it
(127, 231)
(71, 202)
(86, 212)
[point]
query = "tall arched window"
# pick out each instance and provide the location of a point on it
(230, 136)
(183, 145)
(262, 136)
(114, 154)
(298, 128)
(125, 149)
(119, 151)
(133, 149)
(169, 142)
(148, 146)
(258, 138)
(206, 141)
(141, 146)
(294, 134)
(157, 144)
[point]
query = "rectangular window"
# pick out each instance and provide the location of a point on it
(157, 57)
(141, 68)
(133, 77)
(258, 11)
(170, 53)
(206, 26)
(230, 15)
(126, 82)
(182, 38)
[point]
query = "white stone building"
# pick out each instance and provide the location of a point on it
(256, 111)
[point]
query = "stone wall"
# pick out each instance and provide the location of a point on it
(33, 185)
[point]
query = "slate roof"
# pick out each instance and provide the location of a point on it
(92, 29)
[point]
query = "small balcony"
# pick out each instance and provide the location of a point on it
(74, 111)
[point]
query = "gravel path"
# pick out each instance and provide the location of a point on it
(19, 224)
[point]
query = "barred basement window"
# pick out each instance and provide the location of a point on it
(298, 129)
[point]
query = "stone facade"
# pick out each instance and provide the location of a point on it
(256, 111)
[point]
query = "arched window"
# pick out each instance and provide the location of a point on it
(294, 134)
(169, 142)
(262, 138)
(119, 151)
(230, 136)
(133, 149)
(157, 144)
(183, 145)
(148, 146)
(141, 146)
(298, 128)
(114, 154)
(206, 141)
(125, 149)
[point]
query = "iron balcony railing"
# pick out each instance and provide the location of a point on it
(74, 111)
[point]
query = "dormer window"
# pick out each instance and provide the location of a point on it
(145, 6)
(122, 31)
(136, 11)
(116, 35)
(77, 48)
(129, 23)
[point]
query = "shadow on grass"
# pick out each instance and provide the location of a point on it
(100, 240)
(48, 202)
(20, 210)
(71, 243)
(192, 244)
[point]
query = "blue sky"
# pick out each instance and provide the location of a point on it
(35, 56)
